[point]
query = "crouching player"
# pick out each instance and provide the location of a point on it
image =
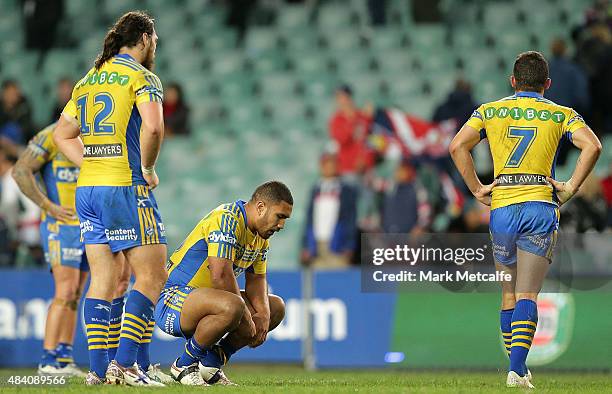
(202, 301)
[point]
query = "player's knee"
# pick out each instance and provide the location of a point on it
(232, 309)
(67, 290)
(122, 286)
(277, 311)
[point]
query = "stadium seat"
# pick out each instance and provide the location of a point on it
(350, 62)
(428, 38)
(229, 63)
(387, 38)
(291, 17)
(334, 17)
(298, 40)
(268, 62)
(393, 63)
(318, 86)
(274, 85)
(309, 61)
(344, 39)
(261, 39)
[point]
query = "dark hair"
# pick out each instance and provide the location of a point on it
(530, 71)
(179, 91)
(127, 31)
(9, 82)
(273, 191)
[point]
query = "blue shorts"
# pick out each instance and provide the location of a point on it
(168, 309)
(121, 216)
(530, 226)
(62, 245)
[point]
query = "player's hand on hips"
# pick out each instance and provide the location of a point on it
(58, 212)
(150, 177)
(262, 324)
(483, 193)
(564, 190)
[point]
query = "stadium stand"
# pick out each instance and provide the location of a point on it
(280, 83)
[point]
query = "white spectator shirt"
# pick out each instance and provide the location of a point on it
(326, 209)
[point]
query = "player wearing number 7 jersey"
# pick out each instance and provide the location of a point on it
(524, 132)
(113, 128)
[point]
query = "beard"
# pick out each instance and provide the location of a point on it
(149, 61)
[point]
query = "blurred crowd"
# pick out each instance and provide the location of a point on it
(404, 188)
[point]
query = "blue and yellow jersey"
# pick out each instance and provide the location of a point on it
(104, 103)
(222, 233)
(524, 133)
(59, 175)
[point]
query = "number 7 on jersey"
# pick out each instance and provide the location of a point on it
(525, 137)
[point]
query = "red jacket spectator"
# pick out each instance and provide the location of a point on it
(348, 128)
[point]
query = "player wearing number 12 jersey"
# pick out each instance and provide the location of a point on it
(524, 132)
(113, 127)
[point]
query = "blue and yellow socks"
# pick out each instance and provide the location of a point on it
(48, 357)
(219, 354)
(64, 354)
(138, 313)
(115, 326)
(97, 317)
(505, 323)
(192, 354)
(143, 350)
(524, 323)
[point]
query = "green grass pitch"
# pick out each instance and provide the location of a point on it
(293, 379)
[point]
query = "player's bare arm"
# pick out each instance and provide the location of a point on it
(590, 149)
(67, 138)
(29, 163)
(256, 291)
(151, 136)
(465, 140)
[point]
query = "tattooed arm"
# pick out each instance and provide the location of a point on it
(29, 163)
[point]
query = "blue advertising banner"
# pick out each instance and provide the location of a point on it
(350, 328)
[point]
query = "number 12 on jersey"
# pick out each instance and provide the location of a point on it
(106, 105)
(525, 137)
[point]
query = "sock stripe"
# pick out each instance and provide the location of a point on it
(129, 336)
(99, 333)
(525, 322)
(101, 326)
(134, 325)
(131, 330)
(529, 330)
(113, 345)
(64, 359)
(527, 337)
(115, 325)
(521, 344)
(138, 319)
(94, 347)
(96, 340)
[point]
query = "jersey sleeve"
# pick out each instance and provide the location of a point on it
(476, 121)
(43, 146)
(221, 236)
(148, 88)
(70, 109)
(572, 123)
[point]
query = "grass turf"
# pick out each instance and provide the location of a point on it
(293, 379)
